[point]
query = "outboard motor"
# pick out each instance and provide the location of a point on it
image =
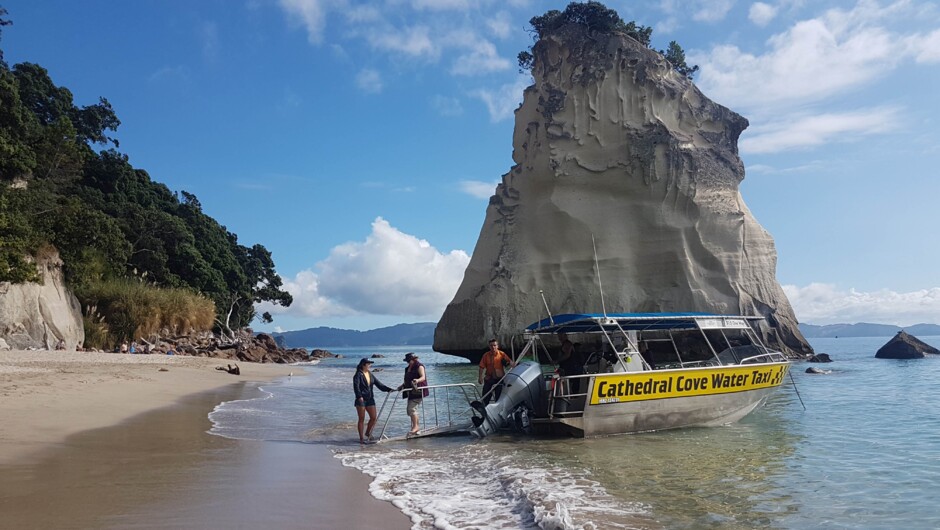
(521, 394)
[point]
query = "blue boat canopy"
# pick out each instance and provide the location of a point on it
(596, 322)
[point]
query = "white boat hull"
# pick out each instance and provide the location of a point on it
(621, 413)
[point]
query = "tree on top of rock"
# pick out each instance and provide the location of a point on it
(597, 17)
(676, 57)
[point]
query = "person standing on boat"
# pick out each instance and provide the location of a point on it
(415, 378)
(570, 362)
(363, 382)
(492, 369)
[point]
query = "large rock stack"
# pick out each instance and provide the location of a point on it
(612, 142)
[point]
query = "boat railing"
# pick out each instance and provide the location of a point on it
(562, 400)
(445, 409)
(770, 356)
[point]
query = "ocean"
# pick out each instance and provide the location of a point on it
(865, 453)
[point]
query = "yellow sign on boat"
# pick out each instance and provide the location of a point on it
(642, 386)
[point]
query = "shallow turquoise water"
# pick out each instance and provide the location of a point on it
(864, 454)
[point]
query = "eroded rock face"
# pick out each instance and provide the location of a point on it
(611, 141)
(39, 315)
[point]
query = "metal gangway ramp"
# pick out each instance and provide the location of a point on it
(446, 410)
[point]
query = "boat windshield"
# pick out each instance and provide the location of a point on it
(663, 340)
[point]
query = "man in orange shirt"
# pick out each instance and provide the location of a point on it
(492, 369)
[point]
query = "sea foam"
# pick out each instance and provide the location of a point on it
(477, 485)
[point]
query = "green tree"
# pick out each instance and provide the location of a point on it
(50, 103)
(597, 17)
(676, 57)
(17, 158)
(19, 238)
(110, 222)
(3, 22)
(593, 15)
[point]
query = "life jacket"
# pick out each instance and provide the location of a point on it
(411, 373)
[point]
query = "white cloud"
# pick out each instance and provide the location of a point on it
(414, 41)
(701, 10)
(813, 130)
(177, 73)
(819, 303)
(711, 10)
(414, 29)
(308, 302)
(363, 13)
(442, 5)
(482, 58)
(771, 170)
(500, 25)
(478, 189)
(446, 106)
(503, 102)
(667, 25)
(761, 13)
(390, 273)
(369, 81)
(817, 58)
(809, 62)
(311, 14)
(925, 48)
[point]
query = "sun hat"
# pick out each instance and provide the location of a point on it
(409, 356)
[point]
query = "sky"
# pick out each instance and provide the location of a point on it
(360, 141)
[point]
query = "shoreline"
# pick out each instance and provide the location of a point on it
(109, 440)
(46, 396)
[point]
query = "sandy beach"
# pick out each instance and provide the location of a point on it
(112, 440)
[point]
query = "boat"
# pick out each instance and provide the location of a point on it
(635, 372)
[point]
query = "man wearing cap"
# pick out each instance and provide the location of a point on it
(363, 382)
(415, 379)
(492, 369)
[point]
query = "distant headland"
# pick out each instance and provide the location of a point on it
(422, 333)
(866, 329)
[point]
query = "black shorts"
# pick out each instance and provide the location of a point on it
(368, 403)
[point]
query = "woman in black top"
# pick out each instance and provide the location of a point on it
(363, 382)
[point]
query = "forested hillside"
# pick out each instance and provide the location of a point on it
(66, 187)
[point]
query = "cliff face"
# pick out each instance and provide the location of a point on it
(611, 141)
(38, 315)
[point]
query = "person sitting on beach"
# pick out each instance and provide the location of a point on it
(492, 369)
(415, 378)
(363, 381)
(60, 345)
(124, 347)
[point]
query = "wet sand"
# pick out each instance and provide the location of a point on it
(161, 469)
